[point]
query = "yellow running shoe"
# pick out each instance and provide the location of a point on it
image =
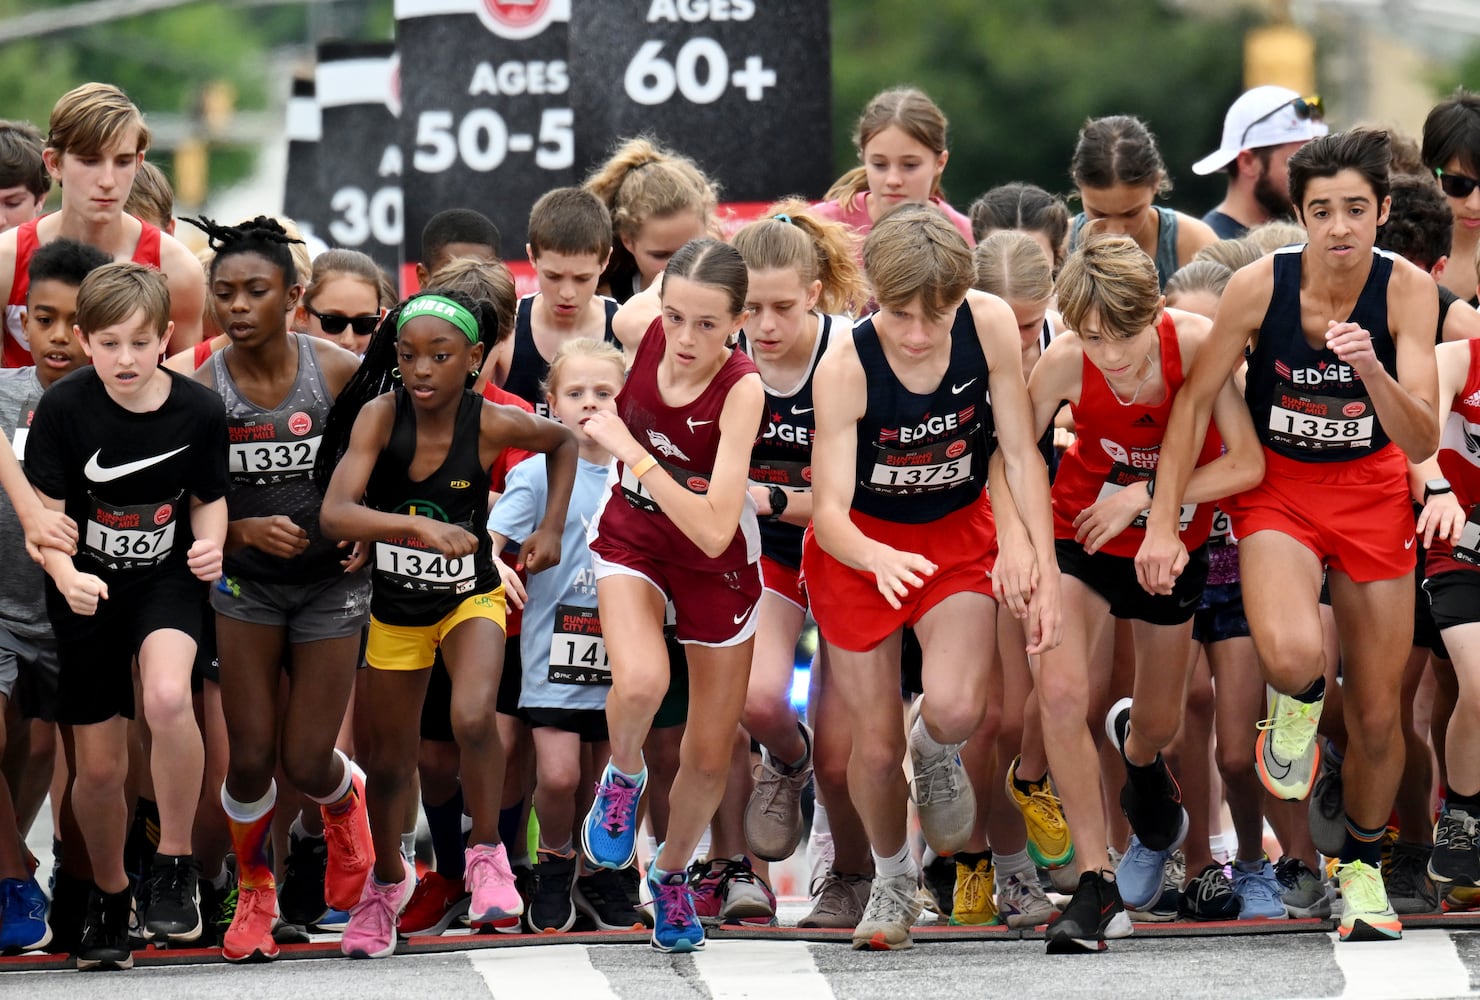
(1286, 754)
(1049, 843)
(1365, 912)
(976, 895)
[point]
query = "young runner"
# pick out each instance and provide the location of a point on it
(1451, 149)
(24, 180)
(346, 299)
(454, 233)
(1024, 208)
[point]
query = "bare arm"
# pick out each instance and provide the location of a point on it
(187, 292)
(636, 315)
(1442, 516)
(509, 426)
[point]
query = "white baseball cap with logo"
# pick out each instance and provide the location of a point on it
(1264, 116)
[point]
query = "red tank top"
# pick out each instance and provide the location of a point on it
(1459, 459)
(1117, 446)
(685, 441)
(16, 350)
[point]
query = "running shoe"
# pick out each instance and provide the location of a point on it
(675, 925)
(1462, 899)
(1327, 809)
(1286, 753)
(1140, 874)
(436, 904)
(1365, 913)
(1049, 843)
(104, 943)
(490, 881)
(939, 877)
(1095, 913)
(250, 934)
(975, 902)
(1302, 890)
(300, 896)
(1150, 798)
(1164, 907)
(773, 816)
(371, 931)
(609, 831)
(552, 910)
(69, 903)
(172, 900)
(838, 900)
(23, 924)
(705, 878)
(940, 789)
(1456, 856)
(1021, 901)
(893, 906)
(1406, 876)
(1210, 896)
(745, 896)
(602, 895)
(1260, 895)
(351, 852)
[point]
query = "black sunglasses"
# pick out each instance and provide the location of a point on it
(1306, 109)
(1456, 185)
(333, 323)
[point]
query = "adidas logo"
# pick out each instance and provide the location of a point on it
(1473, 399)
(1144, 420)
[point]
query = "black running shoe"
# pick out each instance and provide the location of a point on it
(69, 898)
(552, 911)
(1094, 914)
(602, 897)
(300, 894)
(104, 942)
(1151, 798)
(1209, 896)
(172, 910)
(1456, 858)
(939, 876)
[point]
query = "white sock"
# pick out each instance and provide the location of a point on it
(896, 865)
(1014, 864)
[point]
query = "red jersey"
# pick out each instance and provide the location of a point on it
(16, 349)
(1116, 446)
(1459, 458)
(685, 441)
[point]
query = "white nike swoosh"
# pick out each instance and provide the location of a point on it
(1409, 544)
(96, 472)
(957, 389)
(697, 423)
(800, 412)
(743, 615)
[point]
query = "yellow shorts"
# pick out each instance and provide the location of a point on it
(414, 647)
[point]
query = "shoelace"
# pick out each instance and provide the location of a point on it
(345, 844)
(1254, 884)
(1291, 730)
(377, 909)
(1460, 832)
(1046, 807)
(485, 864)
(975, 888)
(936, 781)
(768, 782)
(675, 905)
(618, 804)
(1362, 887)
(169, 884)
(894, 900)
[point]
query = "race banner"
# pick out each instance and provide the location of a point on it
(303, 199)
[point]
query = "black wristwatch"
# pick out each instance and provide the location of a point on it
(1435, 487)
(779, 499)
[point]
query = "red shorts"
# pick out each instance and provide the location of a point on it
(783, 581)
(711, 609)
(851, 613)
(1355, 516)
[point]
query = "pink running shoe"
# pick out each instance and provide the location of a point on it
(491, 881)
(371, 931)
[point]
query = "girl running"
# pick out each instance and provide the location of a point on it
(347, 298)
(420, 456)
(1024, 208)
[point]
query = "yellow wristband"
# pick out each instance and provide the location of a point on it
(644, 466)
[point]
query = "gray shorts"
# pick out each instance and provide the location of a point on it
(325, 609)
(28, 675)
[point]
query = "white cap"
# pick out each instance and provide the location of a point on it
(1264, 116)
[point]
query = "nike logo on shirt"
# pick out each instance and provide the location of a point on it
(697, 423)
(956, 390)
(798, 411)
(98, 473)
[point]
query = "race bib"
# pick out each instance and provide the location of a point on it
(638, 496)
(905, 472)
(18, 443)
(794, 475)
(1122, 475)
(1313, 423)
(577, 651)
(266, 452)
(130, 537)
(424, 570)
(1222, 528)
(1468, 549)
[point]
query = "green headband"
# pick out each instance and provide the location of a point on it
(443, 308)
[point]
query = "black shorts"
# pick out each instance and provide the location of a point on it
(911, 665)
(511, 681)
(1453, 598)
(587, 723)
(436, 707)
(1221, 615)
(1425, 631)
(1114, 579)
(674, 709)
(96, 652)
(207, 665)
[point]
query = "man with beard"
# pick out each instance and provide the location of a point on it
(1260, 131)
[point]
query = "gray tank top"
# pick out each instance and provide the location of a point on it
(1166, 242)
(270, 459)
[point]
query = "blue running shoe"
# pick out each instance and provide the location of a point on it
(23, 924)
(1258, 892)
(1140, 873)
(676, 926)
(609, 833)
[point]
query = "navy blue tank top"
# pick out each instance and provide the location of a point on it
(528, 367)
(412, 584)
(1306, 404)
(782, 455)
(922, 456)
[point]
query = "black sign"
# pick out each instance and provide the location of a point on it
(487, 122)
(303, 199)
(742, 86)
(359, 157)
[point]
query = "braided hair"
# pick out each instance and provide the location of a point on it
(379, 373)
(263, 236)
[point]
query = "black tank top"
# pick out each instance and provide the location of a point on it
(1306, 404)
(528, 368)
(923, 456)
(412, 584)
(782, 455)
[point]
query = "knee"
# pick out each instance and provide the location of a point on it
(766, 712)
(253, 766)
(1291, 661)
(955, 719)
(168, 704)
(1200, 703)
(558, 779)
(311, 773)
(1235, 761)
(99, 773)
(473, 727)
(831, 771)
(1375, 724)
(875, 755)
(1157, 729)
(1062, 705)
